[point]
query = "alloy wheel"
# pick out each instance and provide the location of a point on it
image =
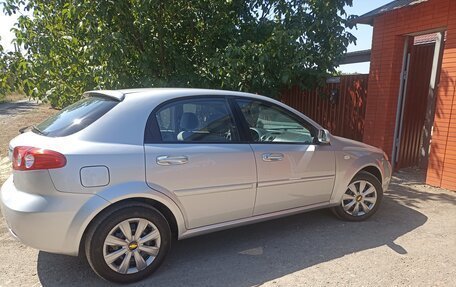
(359, 198)
(131, 245)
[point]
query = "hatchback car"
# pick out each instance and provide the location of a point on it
(119, 174)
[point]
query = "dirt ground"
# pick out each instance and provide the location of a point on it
(411, 241)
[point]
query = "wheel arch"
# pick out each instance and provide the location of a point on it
(108, 198)
(347, 170)
(374, 170)
(143, 201)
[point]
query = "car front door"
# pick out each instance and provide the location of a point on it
(193, 152)
(293, 171)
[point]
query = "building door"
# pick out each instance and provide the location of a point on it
(418, 77)
(417, 111)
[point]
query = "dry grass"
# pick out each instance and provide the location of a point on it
(11, 123)
(13, 117)
(13, 98)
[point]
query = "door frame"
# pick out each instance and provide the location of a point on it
(401, 101)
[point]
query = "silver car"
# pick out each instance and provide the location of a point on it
(120, 174)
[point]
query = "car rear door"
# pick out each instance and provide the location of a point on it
(293, 171)
(193, 152)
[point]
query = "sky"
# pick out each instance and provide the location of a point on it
(363, 32)
(6, 23)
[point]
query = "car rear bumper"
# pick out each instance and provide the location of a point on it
(41, 221)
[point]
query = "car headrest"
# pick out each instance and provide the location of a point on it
(189, 121)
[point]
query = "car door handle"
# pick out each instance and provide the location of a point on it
(172, 160)
(272, 156)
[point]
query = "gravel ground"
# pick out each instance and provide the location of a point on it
(411, 241)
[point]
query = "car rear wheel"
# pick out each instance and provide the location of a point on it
(361, 198)
(128, 243)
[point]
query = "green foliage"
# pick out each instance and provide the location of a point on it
(8, 67)
(259, 46)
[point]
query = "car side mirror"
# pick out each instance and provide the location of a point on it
(323, 136)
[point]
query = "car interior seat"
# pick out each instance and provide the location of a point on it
(188, 124)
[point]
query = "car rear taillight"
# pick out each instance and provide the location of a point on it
(32, 158)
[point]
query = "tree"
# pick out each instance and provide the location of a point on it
(260, 46)
(8, 71)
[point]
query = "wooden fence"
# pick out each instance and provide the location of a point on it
(340, 106)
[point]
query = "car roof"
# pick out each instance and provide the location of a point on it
(170, 92)
(164, 94)
(141, 102)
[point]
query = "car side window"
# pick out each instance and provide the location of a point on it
(271, 124)
(197, 120)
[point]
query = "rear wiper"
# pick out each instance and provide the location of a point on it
(36, 130)
(30, 128)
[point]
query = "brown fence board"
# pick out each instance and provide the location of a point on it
(343, 116)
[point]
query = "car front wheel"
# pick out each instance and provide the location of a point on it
(361, 198)
(128, 243)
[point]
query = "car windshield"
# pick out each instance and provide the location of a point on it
(75, 117)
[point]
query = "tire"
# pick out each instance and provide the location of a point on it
(155, 239)
(352, 197)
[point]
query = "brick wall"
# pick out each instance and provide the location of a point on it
(386, 63)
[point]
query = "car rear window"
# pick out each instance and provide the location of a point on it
(75, 117)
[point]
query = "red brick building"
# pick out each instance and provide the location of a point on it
(411, 104)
